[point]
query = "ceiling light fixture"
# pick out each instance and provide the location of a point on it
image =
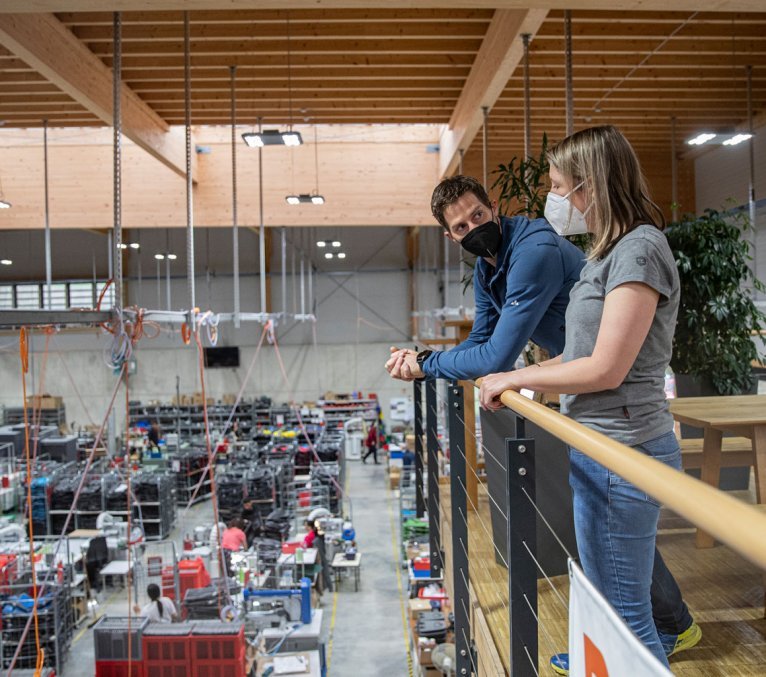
(275, 137)
(314, 197)
(172, 257)
(737, 139)
(135, 245)
(304, 198)
(328, 255)
(698, 140)
(272, 137)
(122, 245)
(6, 262)
(321, 243)
(341, 255)
(159, 257)
(336, 243)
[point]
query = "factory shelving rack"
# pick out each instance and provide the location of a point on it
(53, 417)
(341, 410)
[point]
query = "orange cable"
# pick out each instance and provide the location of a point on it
(37, 407)
(24, 354)
(130, 509)
(221, 563)
(186, 334)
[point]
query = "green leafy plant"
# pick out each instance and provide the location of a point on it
(717, 314)
(523, 185)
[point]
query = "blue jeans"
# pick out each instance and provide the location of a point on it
(616, 529)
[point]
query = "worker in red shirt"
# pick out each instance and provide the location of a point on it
(372, 444)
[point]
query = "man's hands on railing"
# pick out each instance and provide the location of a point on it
(403, 364)
(494, 385)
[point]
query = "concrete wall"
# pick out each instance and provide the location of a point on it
(361, 304)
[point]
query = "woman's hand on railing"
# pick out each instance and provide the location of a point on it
(493, 386)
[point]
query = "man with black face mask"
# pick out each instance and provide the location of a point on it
(521, 286)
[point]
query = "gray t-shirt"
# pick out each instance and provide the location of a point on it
(637, 410)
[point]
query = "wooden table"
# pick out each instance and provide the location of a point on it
(741, 415)
(339, 563)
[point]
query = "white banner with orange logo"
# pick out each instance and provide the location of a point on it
(600, 644)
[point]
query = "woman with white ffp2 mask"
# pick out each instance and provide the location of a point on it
(563, 214)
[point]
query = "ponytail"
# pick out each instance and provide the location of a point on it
(153, 590)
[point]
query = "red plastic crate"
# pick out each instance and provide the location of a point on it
(119, 669)
(191, 574)
(422, 563)
(167, 650)
(439, 595)
(221, 653)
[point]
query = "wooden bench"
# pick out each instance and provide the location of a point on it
(736, 452)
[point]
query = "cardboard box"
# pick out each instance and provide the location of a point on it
(415, 606)
(45, 401)
(229, 399)
(393, 479)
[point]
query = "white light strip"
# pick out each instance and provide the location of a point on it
(701, 138)
(736, 139)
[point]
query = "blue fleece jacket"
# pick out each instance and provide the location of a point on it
(525, 297)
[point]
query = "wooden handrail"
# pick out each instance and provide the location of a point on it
(737, 524)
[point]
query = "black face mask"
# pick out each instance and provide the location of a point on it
(484, 240)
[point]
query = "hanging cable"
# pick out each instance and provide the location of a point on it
(24, 355)
(210, 460)
(70, 512)
(227, 425)
(129, 475)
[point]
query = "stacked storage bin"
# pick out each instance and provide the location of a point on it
(328, 474)
(230, 489)
(156, 506)
(110, 637)
(261, 489)
(218, 649)
(55, 622)
(191, 574)
(167, 650)
(189, 467)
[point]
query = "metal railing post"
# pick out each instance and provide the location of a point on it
(420, 506)
(432, 447)
(459, 509)
(521, 541)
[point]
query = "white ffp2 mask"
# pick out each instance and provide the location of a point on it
(563, 216)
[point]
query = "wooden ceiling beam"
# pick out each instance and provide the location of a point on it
(500, 53)
(643, 74)
(588, 88)
(353, 60)
(269, 31)
(649, 29)
(249, 89)
(219, 77)
(312, 15)
(298, 48)
(52, 50)
(693, 61)
(301, 5)
(620, 45)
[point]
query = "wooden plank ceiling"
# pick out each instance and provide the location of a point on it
(633, 69)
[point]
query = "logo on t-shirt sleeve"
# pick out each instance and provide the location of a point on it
(641, 260)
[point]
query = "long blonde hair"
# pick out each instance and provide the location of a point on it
(604, 162)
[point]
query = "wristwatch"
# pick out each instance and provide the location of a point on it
(421, 358)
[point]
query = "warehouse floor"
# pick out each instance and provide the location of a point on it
(364, 630)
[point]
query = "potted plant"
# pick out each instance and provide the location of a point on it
(712, 345)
